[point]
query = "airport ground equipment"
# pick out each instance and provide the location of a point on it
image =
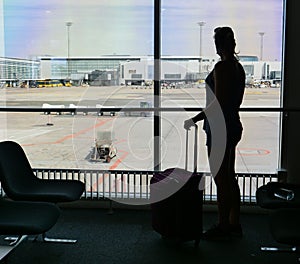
(101, 110)
(104, 149)
(84, 111)
(46, 105)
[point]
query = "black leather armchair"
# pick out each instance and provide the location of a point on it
(24, 219)
(283, 200)
(20, 184)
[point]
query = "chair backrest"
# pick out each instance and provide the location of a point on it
(16, 174)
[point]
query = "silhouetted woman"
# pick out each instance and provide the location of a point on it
(227, 83)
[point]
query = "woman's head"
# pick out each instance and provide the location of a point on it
(224, 41)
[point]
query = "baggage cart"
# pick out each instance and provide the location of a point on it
(104, 149)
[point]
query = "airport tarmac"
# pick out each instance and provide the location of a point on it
(67, 141)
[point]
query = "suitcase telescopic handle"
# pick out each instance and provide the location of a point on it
(195, 148)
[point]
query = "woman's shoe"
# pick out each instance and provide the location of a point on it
(216, 233)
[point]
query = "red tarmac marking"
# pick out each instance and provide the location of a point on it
(112, 167)
(118, 161)
(253, 152)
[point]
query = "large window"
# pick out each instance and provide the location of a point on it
(102, 53)
(187, 30)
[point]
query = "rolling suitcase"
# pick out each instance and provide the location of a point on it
(177, 201)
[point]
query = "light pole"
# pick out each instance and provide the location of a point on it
(201, 24)
(68, 24)
(261, 44)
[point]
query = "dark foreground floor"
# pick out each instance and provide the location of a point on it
(126, 237)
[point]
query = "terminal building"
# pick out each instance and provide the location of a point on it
(127, 70)
(13, 71)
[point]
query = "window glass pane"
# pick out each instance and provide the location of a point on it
(257, 152)
(174, 143)
(187, 35)
(79, 54)
(46, 139)
(90, 43)
(188, 55)
(69, 142)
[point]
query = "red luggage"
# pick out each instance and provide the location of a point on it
(177, 201)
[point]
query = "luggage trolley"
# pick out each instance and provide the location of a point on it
(104, 150)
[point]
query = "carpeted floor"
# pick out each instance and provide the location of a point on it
(126, 237)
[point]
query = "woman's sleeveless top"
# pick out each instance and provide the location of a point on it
(231, 109)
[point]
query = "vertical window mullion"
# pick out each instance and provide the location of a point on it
(157, 71)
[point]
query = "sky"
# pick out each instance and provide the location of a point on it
(125, 27)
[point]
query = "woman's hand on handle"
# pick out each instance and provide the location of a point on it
(188, 123)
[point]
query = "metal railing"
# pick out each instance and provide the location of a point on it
(119, 184)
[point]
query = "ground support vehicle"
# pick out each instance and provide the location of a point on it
(102, 110)
(104, 150)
